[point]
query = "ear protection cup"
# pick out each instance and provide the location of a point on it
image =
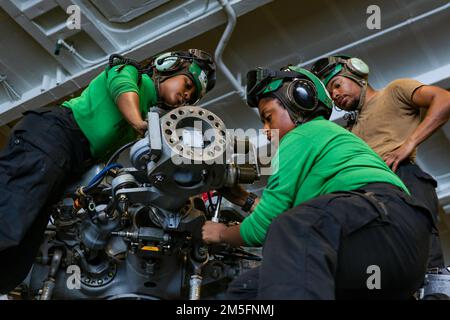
(302, 95)
(167, 62)
(326, 68)
(300, 92)
(299, 97)
(358, 67)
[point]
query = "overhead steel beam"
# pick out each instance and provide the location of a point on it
(211, 19)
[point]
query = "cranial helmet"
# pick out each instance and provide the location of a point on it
(194, 63)
(302, 94)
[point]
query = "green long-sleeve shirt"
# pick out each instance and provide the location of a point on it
(313, 159)
(97, 114)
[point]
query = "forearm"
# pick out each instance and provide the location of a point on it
(232, 236)
(437, 115)
(254, 204)
(237, 195)
(243, 198)
(128, 105)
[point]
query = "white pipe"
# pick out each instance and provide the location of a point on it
(408, 21)
(221, 47)
(59, 76)
(12, 94)
(45, 83)
(378, 34)
(105, 24)
(72, 50)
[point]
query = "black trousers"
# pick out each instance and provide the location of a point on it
(423, 188)
(44, 150)
(369, 243)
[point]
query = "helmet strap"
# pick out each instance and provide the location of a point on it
(157, 79)
(353, 115)
(361, 82)
(362, 97)
(296, 117)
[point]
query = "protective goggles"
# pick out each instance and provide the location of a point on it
(201, 55)
(327, 68)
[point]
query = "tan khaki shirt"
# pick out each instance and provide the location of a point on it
(390, 117)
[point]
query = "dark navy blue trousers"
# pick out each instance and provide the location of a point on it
(334, 247)
(45, 149)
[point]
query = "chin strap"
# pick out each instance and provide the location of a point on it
(296, 118)
(157, 79)
(362, 82)
(362, 97)
(352, 116)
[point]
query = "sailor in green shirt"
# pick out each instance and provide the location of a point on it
(331, 210)
(52, 145)
(110, 111)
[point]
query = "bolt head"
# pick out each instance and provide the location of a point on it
(158, 178)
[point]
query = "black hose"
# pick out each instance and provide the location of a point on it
(110, 160)
(117, 59)
(119, 151)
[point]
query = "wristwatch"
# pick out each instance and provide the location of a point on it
(249, 202)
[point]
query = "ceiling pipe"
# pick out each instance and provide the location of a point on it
(12, 94)
(60, 43)
(378, 34)
(231, 15)
(353, 44)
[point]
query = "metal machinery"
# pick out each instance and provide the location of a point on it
(135, 232)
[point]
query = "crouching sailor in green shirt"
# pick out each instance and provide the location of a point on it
(51, 144)
(334, 221)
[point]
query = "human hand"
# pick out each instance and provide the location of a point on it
(394, 158)
(140, 127)
(211, 232)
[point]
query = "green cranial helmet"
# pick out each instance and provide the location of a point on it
(346, 66)
(198, 65)
(301, 92)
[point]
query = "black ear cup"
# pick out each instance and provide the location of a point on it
(302, 95)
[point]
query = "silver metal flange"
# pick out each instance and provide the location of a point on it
(210, 125)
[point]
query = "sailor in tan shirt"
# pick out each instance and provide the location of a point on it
(389, 121)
